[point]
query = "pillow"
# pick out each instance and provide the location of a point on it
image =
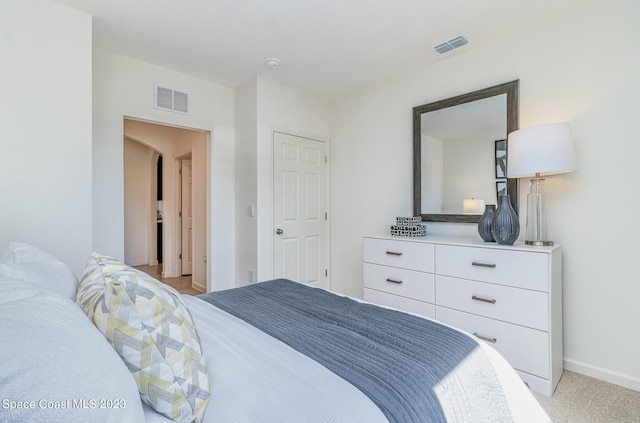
(56, 366)
(149, 325)
(21, 252)
(28, 263)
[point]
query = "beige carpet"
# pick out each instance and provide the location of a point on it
(582, 399)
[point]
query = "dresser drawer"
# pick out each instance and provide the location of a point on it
(406, 283)
(404, 254)
(521, 269)
(515, 305)
(524, 348)
(400, 303)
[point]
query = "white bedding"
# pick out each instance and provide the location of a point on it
(256, 378)
(55, 366)
(52, 352)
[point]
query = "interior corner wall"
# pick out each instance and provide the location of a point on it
(45, 128)
(262, 107)
(587, 81)
(246, 112)
(123, 87)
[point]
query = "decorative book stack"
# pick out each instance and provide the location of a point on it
(409, 226)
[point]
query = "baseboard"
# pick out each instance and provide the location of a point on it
(602, 374)
(199, 287)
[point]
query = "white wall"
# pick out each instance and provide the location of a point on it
(263, 107)
(45, 128)
(123, 87)
(246, 181)
(572, 68)
(137, 198)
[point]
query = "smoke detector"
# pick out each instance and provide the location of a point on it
(453, 43)
(272, 63)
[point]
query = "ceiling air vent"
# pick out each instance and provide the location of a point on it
(443, 48)
(168, 99)
(456, 42)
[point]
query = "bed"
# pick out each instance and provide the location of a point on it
(277, 351)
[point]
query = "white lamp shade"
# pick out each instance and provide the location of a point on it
(472, 206)
(544, 149)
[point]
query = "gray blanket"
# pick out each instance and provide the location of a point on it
(413, 369)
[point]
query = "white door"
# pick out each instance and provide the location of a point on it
(186, 217)
(300, 213)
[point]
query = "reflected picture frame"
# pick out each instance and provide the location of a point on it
(501, 159)
(501, 188)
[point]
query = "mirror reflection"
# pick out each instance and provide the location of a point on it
(460, 152)
(459, 155)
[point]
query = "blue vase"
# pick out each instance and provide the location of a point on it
(484, 225)
(505, 226)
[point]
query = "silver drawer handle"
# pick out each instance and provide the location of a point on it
(394, 253)
(480, 264)
(394, 281)
(484, 338)
(486, 300)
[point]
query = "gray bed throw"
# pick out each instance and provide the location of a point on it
(413, 369)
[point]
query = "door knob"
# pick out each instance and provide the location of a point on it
(279, 231)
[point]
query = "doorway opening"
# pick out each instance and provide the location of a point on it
(153, 189)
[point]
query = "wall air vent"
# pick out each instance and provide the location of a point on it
(168, 99)
(453, 43)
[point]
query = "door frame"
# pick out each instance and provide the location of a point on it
(171, 224)
(180, 203)
(272, 227)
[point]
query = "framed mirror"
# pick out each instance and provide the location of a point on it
(459, 154)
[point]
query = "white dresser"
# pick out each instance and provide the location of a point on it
(508, 296)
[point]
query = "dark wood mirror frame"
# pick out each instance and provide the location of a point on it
(511, 89)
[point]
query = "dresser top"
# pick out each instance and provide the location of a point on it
(468, 242)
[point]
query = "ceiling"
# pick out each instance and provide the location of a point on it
(326, 47)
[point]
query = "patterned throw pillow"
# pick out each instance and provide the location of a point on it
(149, 325)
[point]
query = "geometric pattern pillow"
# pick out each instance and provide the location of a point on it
(149, 325)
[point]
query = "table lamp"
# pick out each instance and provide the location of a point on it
(536, 152)
(472, 206)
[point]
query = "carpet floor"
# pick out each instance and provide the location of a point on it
(582, 399)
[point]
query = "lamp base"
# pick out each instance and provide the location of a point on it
(539, 243)
(536, 215)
